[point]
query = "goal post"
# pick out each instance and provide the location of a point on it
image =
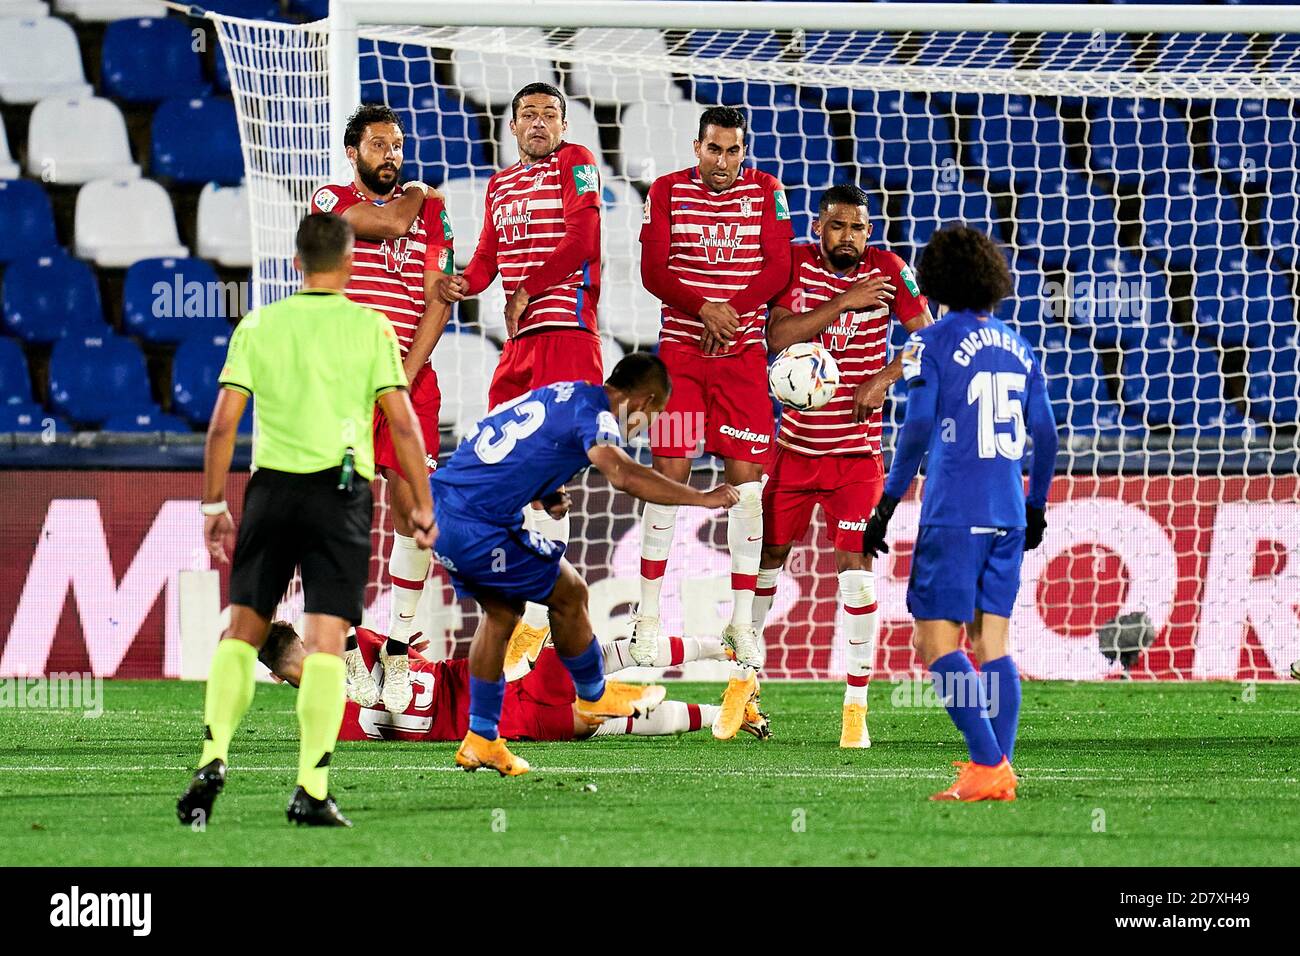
(1138, 163)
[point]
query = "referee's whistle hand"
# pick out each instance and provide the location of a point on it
(217, 530)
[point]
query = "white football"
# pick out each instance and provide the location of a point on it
(804, 376)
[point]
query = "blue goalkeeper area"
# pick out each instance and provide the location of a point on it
(1154, 239)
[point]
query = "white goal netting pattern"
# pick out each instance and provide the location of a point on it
(1145, 186)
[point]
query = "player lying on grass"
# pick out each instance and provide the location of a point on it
(973, 387)
(542, 705)
(524, 451)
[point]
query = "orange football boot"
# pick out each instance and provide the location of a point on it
(977, 782)
(621, 700)
(476, 751)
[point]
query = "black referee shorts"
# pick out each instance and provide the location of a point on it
(303, 520)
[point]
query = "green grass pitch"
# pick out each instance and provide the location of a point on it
(1136, 774)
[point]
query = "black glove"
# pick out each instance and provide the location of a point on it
(1035, 525)
(873, 539)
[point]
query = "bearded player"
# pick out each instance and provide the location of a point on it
(539, 706)
(403, 241)
(715, 248)
(842, 294)
(541, 233)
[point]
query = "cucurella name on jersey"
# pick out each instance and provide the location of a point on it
(969, 346)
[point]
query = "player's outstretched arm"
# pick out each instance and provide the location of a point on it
(648, 485)
(393, 219)
(786, 326)
(432, 324)
(871, 393)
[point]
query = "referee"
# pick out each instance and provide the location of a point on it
(316, 363)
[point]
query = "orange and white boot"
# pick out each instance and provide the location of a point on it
(979, 782)
(735, 703)
(476, 751)
(525, 645)
(621, 700)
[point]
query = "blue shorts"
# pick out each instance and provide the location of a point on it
(956, 570)
(510, 563)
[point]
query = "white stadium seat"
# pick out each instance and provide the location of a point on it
(611, 353)
(627, 311)
(656, 139)
(120, 221)
(77, 140)
(464, 200)
(620, 233)
(615, 84)
(464, 363)
(102, 11)
(492, 311)
(224, 225)
(26, 9)
(39, 58)
(583, 130)
(493, 79)
(8, 168)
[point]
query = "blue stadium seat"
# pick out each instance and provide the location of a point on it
(93, 378)
(197, 141)
(145, 421)
(195, 370)
(1128, 138)
(900, 141)
(1238, 303)
(1190, 52)
(1071, 370)
(1172, 379)
(27, 418)
(15, 383)
(51, 297)
(1251, 139)
(150, 59)
(400, 75)
(167, 300)
(28, 219)
(246, 9)
(446, 141)
(1280, 218)
(1032, 305)
(790, 140)
(1274, 376)
(1115, 298)
(1016, 138)
(1066, 219)
(803, 210)
(1189, 222)
(1107, 51)
(943, 203)
(311, 9)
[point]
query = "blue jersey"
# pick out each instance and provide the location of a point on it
(975, 392)
(523, 450)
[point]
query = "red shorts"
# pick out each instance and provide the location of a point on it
(722, 402)
(426, 399)
(540, 707)
(848, 487)
(543, 358)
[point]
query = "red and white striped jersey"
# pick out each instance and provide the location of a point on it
(858, 341)
(388, 274)
(524, 222)
(715, 244)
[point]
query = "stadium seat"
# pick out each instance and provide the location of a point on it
(120, 221)
(51, 297)
(645, 152)
(1072, 372)
(464, 363)
(445, 141)
(611, 353)
(24, 9)
(1189, 222)
(627, 311)
(1251, 139)
(72, 141)
(1188, 52)
(945, 202)
(311, 9)
(146, 421)
(788, 139)
(493, 78)
(246, 9)
(1115, 298)
(1274, 376)
(803, 210)
(103, 11)
(1234, 304)
(464, 200)
(1016, 138)
(8, 168)
(168, 300)
(15, 382)
(93, 378)
(27, 418)
(620, 233)
(1065, 218)
(225, 231)
(195, 370)
(583, 130)
(1062, 51)
(1032, 304)
(149, 59)
(1172, 379)
(1279, 223)
(39, 58)
(28, 219)
(900, 142)
(619, 85)
(196, 140)
(1130, 138)
(400, 76)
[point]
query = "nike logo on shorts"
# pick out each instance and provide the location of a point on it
(757, 451)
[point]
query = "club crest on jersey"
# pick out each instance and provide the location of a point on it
(396, 253)
(746, 207)
(720, 241)
(512, 220)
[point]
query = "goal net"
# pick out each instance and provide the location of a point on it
(1144, 185)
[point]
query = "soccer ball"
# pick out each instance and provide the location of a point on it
(804, 376)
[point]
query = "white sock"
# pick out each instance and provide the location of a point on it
(672, 652)
(745, 541)
(670, 717)
(556, 529)
(408, 566)
(764, 595)
(658, 523)
(861, 622)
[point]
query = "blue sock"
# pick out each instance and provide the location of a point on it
(485, 698)
(1004, 701)
(587, 671)
(962, 692)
